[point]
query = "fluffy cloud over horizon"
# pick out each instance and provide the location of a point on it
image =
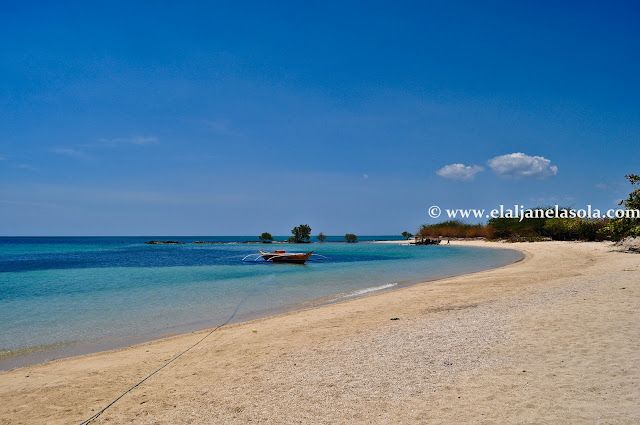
(519, 165)
(459, 171)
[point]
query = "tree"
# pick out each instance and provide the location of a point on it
(350, 237)
(321, 237)
(301, 234)
(266, 237)
(633, 201)
(407, 235)
(627, 226)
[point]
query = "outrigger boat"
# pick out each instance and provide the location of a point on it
(281, 256)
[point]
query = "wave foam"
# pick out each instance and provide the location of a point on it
(367, 290)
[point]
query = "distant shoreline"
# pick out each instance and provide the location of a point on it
(203, 238)
(157, 242)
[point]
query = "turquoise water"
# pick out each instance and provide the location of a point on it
(64, 296)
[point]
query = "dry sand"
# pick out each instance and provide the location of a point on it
(551, 339)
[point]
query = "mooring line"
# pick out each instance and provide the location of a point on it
(94, 417)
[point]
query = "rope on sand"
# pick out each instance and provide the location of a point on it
(94, 417)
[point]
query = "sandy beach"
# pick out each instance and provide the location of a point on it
(551, 339)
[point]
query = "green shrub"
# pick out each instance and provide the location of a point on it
(622, 227)
(301, 234)
(266, 237)
(456, 229)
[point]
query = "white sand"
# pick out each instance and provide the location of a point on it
(552, 339)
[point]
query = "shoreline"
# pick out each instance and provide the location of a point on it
(37, 355)
(458, 352)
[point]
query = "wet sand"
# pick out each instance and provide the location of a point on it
(551, 339)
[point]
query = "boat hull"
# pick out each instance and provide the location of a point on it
(283, 257)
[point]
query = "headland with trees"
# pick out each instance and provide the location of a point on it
(535, 226)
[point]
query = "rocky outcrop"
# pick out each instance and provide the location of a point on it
(630, 244)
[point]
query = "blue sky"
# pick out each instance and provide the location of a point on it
(234, 119)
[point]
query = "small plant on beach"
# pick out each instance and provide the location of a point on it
(350, 237)
(266, 237)
(321, 237)
(407, 235)
(301, 234)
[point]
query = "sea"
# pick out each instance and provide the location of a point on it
(65, 296)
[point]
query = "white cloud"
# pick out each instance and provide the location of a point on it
(133, 140)
(545, 200)
(459, 171)
(25, 166)
(142, 140)
(222, 128)
(519, 165)
(68, 151)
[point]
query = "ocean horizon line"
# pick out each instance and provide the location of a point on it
(181, 236)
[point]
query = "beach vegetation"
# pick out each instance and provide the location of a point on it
(321, 237)
(627, 226)
(564, 225)
(547, 223)
(526, 230)
(266, 237)
(351, 238)
(455, 229)
(301, 234)
(407, 235)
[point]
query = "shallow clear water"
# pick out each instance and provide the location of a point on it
(105, 292)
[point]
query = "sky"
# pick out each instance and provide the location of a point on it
(237, 118)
